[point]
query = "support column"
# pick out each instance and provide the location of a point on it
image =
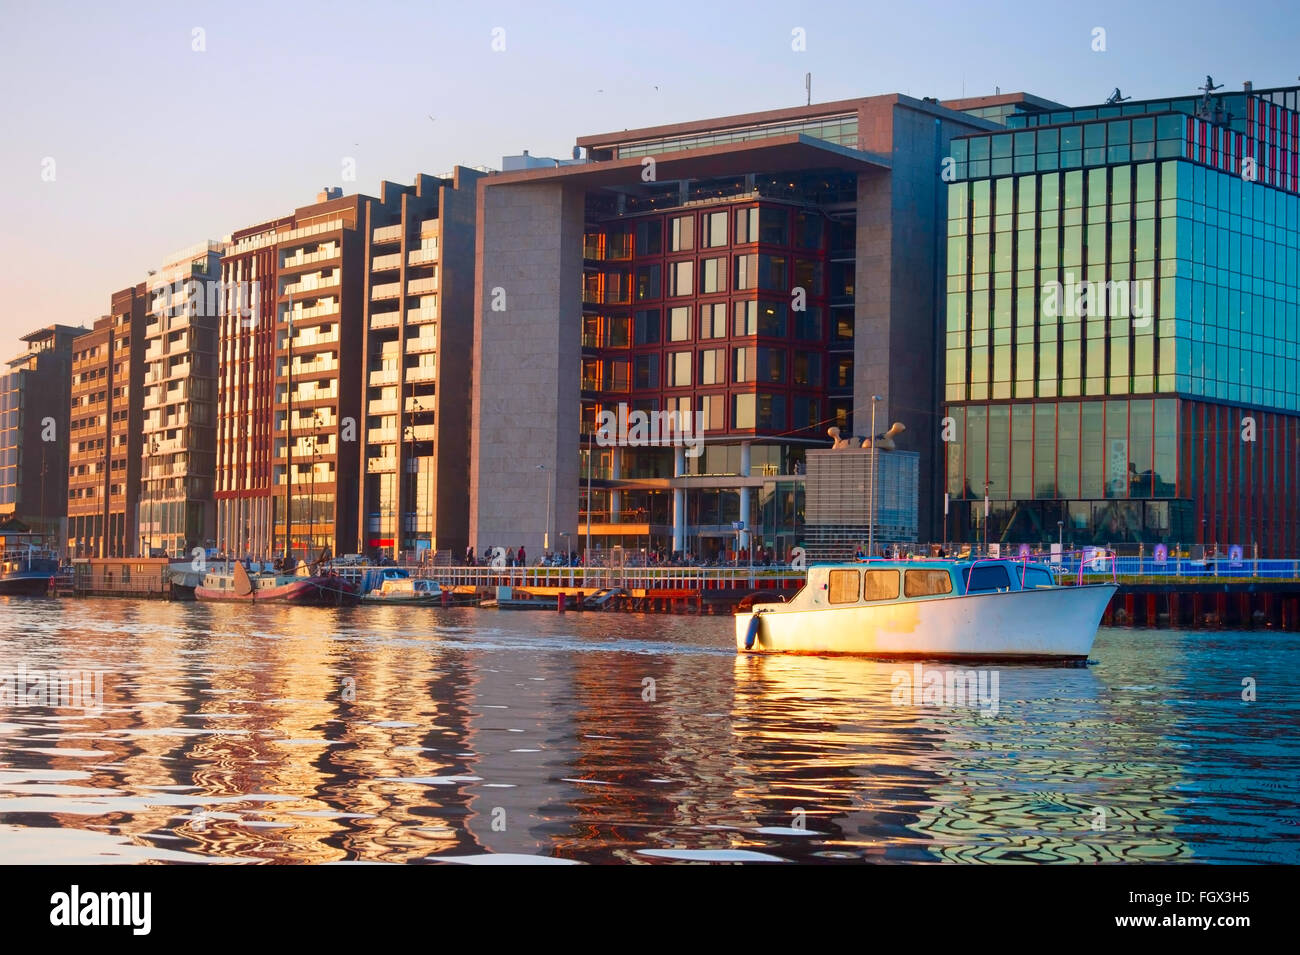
(615, 471)
(745, 535)
(679, 501)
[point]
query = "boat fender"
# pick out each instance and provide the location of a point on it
(751, 635)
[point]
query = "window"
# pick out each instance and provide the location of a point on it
(713, 320)
(771, 412)
(808, 325)
(647, 282)
(760, 318)
(773, 226)
(1037, 577)
(681, 234)
(711, 410)
(742, 411)
(679, 369)
(880, 585)
(808, 230)
(807, 369)
(647, 326)
(713, 366)
(649, 237)
(843, 586)
(808, 276)
(742, 364)
(679, 323)
(714, 232)
(771, 272)
(745, 275)
(682, 276)
(987, 577)
(646, 373)
(713, 275)
(807, 413)
(926, 583)
(746, 226)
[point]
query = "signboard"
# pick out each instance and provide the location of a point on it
(995, 550)
(1234, 555)
(1162, 553)
(1056, 553)
(1093, 558)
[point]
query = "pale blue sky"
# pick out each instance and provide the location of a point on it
(157, 147)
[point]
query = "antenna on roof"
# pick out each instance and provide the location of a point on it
(807, 83)
(1116, 97)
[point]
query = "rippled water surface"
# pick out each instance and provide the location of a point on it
(273, 734)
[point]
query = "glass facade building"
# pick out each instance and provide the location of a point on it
(1123, 303)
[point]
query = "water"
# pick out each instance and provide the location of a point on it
(274, 734)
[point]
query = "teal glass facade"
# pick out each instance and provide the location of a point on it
(1121, 328)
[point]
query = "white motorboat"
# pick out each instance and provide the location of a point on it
(393, 585)
(985, 609)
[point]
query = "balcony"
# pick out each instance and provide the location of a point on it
(424, 432)
(385, 263)
(385, 376)
(388, 233)
(430, 227)
(312, 283)
(419, 286)
(421, 316)
(385, 320)
(325, 253)
(422, 345)
(316, 311)
(381, 435)
(422, 256)
(423, 373)
(382, 406)
(382, 465)
(379, 293)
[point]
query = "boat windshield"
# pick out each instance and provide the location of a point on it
(981, 578)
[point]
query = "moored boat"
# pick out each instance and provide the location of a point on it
(997, 610)
(393, 585)
(234, 582)
(27, 570)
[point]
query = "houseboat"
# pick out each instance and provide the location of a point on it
(988, 609)
(26, 568)
(233, 581)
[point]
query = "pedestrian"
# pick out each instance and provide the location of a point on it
(522, 561)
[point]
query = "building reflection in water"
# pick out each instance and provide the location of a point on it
(277, 734)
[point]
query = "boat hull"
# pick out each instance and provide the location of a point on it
(30, 585)
(1054, 624)
(310, 591)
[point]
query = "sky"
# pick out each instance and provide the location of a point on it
(131, 130)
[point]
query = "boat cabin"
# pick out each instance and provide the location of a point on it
(895, 581)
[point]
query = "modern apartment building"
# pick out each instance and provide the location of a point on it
(106, 416)
(762, 274)
(34, 396)
(177, 509)
(419, 333)
(1123, 312)
(288, 397)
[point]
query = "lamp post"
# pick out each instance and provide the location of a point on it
(546, 533)
(987, 485)
(311, 486)
(411, 468)
(871, 499)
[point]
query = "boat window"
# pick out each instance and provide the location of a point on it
(1037, 577)
(881, 585)
(926, 583)
(843, 587)
(987, 577)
